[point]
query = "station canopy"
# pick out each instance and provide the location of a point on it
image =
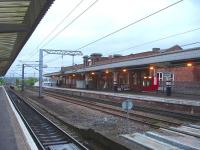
(18, 20)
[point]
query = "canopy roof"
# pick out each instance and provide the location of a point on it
(18, 20)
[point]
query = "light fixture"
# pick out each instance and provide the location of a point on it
(150, 77)
(124, 70)
(145, 77)
(151, 68)
(107, 71)
(189, 64)
(93, 73)
(73, 75)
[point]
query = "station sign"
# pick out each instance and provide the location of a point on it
(127, 104)
(167, 75)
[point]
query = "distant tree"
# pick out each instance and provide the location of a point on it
(2, 81)
(30, 81)
(18, 82)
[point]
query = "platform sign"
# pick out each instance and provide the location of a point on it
(167, 75)
(127, 105)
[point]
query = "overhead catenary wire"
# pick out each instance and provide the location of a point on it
(190, 44)
(61, 22)
(159, 39)
(135, 22)
(116, 30)
(153, 41)
(77, 17)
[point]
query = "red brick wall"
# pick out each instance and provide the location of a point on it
(197, 73)
(183, 73)
(187, 79)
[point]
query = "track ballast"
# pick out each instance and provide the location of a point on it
(45, 133)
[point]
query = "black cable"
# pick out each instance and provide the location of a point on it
(54, 29)
(116, 31)
(163, 38)
(190, 44)
(70, 23)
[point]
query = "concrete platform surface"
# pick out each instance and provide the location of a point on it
(194, 126)
(166, 139)
(177, 139)
(187, 130)
(194, 102)
(149, 142)
(11, 134)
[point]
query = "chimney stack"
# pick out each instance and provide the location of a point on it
(85, 60)
(95, 57)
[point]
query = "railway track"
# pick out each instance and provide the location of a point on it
(152, 113)
(45, 133)
(152, 120)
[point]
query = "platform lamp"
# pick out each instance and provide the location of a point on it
(189, 64)
(124, 70)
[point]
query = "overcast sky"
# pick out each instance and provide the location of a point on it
(104, 17)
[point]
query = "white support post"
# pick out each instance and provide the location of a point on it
(128, 78)
(70, 81)
(115, 75)
(86, 80)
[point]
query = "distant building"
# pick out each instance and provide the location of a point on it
(147, 71)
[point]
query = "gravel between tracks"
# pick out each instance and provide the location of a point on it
(85, 118)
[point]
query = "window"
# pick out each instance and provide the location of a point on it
(160, 76)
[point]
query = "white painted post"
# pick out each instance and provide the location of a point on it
(115, 80)
(86, 80)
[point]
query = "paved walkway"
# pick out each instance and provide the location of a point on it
(11, 136)
(189, 102)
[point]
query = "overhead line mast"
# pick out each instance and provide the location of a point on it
(55, 52)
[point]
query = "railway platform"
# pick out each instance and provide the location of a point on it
(14, 135)
(180, 105)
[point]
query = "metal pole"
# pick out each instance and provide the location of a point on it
(40, 71)
(22, 77)
(72, 60)
(128, 128)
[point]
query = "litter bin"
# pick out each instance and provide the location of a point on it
(168, 88)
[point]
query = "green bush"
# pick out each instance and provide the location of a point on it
(30, 81)
(2, 81)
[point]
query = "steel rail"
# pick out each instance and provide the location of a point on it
(44, 132)
(116, 111)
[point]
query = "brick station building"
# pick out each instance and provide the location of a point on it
(147, 71)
